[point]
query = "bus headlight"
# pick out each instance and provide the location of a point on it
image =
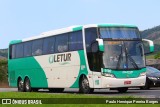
(143, 74)
(108, 75)
(152, 78)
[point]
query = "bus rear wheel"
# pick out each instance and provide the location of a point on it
(84, 86)
(27, 85)
(122, 89)
(20, 85)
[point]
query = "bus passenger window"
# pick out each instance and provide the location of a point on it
(12, 51)
(75, 41)
(19, 50)
(37, 47)
(61, 43)
(27, 49)
(48, 45)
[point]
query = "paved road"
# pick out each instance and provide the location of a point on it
(152, 93)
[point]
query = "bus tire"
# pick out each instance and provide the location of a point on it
(27, 85)
(147, 85)
(91, 90)
(84, 86)
(20, 85)
(56, 90)
(122, 89)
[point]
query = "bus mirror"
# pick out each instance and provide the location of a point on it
(148, 46)
(100, 45)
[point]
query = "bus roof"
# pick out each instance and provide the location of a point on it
(70, 29)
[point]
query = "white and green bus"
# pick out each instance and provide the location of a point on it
(88, 57)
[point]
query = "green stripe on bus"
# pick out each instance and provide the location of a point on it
(101, 48)
(116, 25)
(81, 70)
(27, 67)
(15, 41)
(125, 73)
(151, 48)
(77, 28)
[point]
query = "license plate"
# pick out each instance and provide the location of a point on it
(127, 82)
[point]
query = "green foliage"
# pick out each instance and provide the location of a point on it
(4, 53)
(148, 32)
(153, 34)
(3, 70)
(151, 56)
(157, 56)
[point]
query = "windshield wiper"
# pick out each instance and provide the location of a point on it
(132, 60)
(119, 59)
(127, 57)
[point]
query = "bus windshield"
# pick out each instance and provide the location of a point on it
(123, 55)
(119, 33)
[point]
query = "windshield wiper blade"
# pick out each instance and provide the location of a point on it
(119, 59)
(133, 62)
(130, 58)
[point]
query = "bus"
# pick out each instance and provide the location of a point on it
(88, 57)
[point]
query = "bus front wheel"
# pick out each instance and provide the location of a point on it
(20, 85)
(27, 85)
(147, 85)
(84, 86)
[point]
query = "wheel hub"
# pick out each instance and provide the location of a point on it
(21, 84)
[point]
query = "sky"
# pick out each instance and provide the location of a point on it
(21, 19)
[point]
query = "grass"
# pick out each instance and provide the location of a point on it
(150, 56)
(47, 95)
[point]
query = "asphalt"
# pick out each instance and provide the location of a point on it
(135, 92)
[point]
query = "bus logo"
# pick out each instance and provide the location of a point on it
(6, 101)
(60, 58)
(51, 59)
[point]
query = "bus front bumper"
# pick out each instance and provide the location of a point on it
(108, 82)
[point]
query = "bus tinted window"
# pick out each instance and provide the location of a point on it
(75, 41)
(61, 44)
(37, 47)
(19, 50)
(13, 52)
(119, 33)
(90, 36)
(27, 49)
(48, 45)
(93, 58)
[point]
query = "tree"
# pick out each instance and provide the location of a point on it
(157, 56)
(3, 70)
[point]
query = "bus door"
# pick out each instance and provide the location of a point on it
(96, 69)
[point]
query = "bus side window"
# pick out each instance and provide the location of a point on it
(90, 36)
(93, 60)
(37, 47)
(19, 50)
(27, 49)
(61, 44)
(75, 41)
(12, 54)
(48, 45)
